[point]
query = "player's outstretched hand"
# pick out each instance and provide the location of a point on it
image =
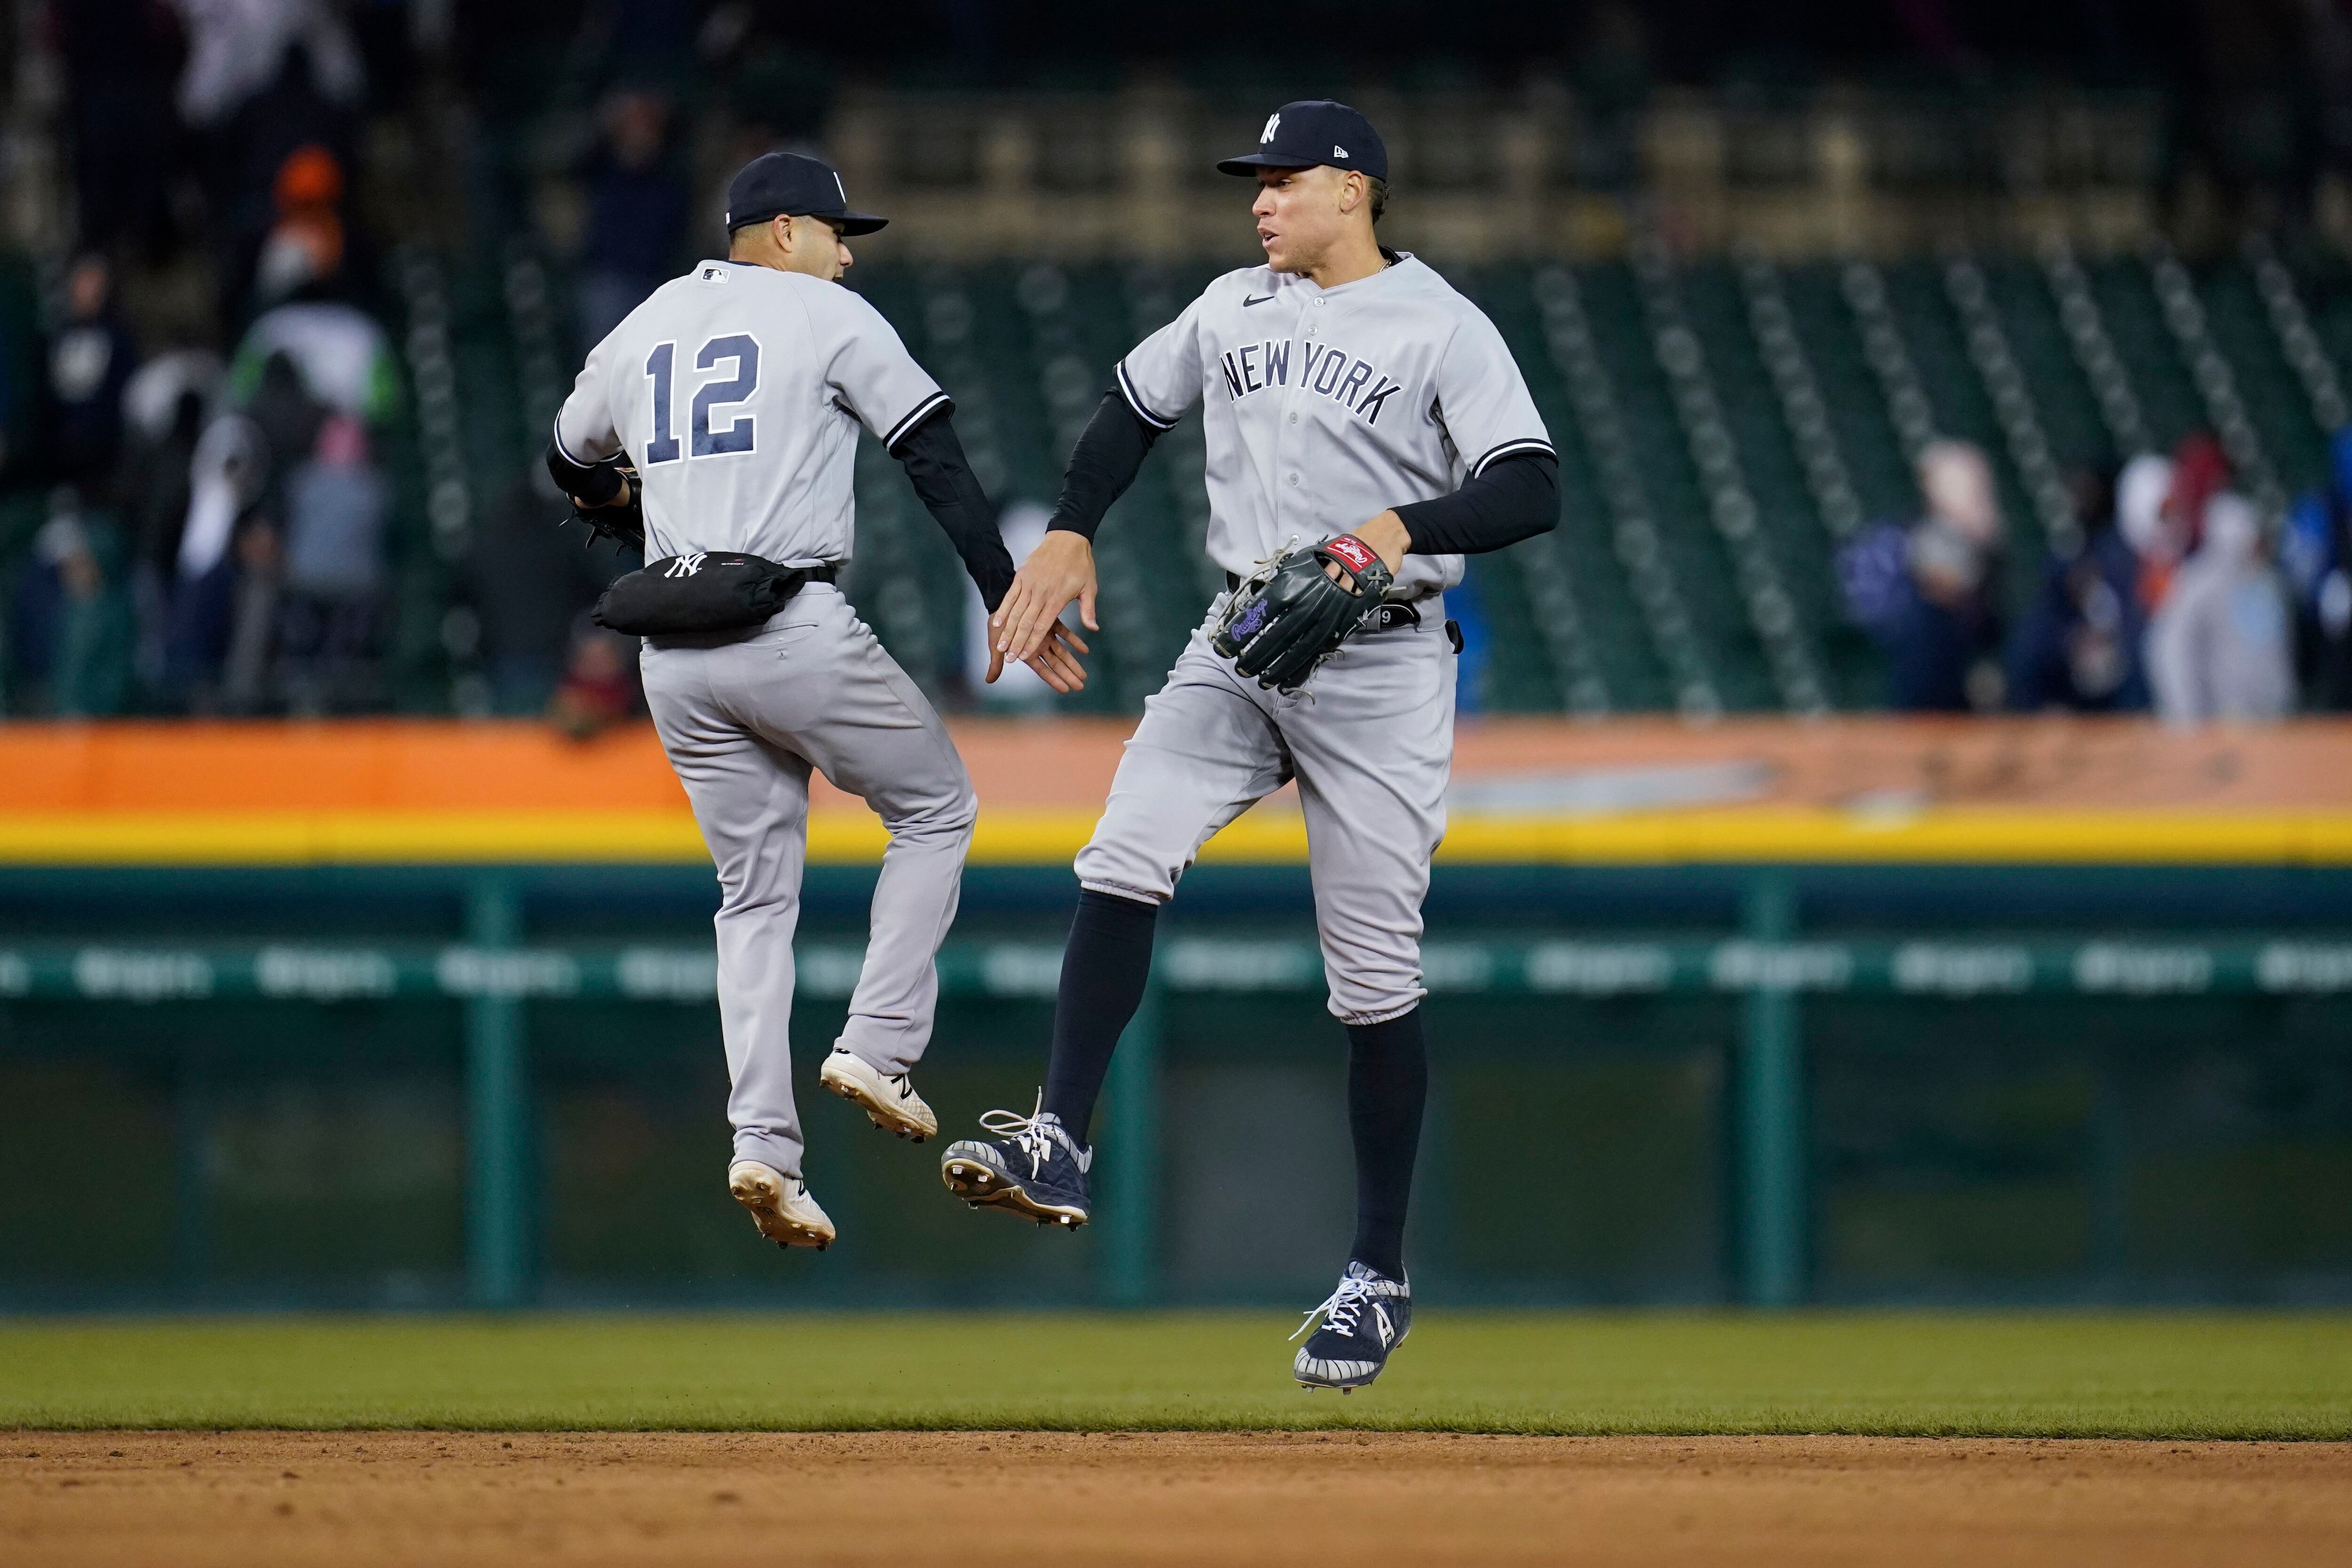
(1061, 569)
(1057, 663)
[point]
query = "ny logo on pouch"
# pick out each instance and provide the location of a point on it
(686, 565)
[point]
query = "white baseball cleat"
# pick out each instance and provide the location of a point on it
(889, 1098)
(780, 1206)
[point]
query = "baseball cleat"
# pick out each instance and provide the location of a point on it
(888, 1097)
(1034, 1169)
(780, 1206)
(1365, 1319)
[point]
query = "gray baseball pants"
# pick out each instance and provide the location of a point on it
(744, 718)
(1371, 742)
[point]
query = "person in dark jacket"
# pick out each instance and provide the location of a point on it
(637, 205)
(2079, 644)
(92, 356)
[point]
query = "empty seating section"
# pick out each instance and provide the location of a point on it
(1724, 424)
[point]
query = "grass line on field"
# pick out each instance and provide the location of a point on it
(2203, 1375)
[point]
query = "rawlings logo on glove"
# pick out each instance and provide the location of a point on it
(1294, 613)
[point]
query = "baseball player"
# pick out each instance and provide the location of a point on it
(1366, 428)
(734, 394)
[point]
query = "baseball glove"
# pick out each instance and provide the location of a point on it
(1294, 613)
(624, 525)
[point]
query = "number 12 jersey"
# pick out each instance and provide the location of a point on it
(737, 391)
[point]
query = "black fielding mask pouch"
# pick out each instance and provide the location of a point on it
(709, 591)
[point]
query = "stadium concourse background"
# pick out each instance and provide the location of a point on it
(401, 1012)
(387, 995)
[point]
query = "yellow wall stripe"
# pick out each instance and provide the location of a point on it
(1050, 837)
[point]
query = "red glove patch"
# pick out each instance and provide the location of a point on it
(1353, 552)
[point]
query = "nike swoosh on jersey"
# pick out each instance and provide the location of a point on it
(1249, 299)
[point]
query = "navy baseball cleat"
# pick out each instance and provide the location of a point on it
(1366, 1317)
(1034, 1168)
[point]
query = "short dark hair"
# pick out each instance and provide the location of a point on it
(1379, 190)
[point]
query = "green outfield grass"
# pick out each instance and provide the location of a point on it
(2169, 1375)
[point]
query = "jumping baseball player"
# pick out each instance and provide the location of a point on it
(720, 420)
(1366, 429)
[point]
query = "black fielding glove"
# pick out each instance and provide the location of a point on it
(1281, 624)
(597, 483)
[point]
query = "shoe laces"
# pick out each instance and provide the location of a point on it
(1032, 1134)
(1344, 1307)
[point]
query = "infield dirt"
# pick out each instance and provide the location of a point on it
(1038, 1500)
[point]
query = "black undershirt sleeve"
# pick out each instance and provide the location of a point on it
(1515, 498)
(595, 483)
(936, 466)
(1110, 454)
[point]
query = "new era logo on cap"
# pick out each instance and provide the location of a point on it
(1311, 131)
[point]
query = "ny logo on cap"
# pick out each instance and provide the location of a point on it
(1273, 121)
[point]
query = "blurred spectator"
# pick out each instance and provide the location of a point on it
(2218, 647)
(265, 78)
(2163, 538)
(2317, 554)
(339, 353)
(226, 481)
(637, 205)
(2078, 645)
(71, 617)
(238, 49)
(91, 360)
(165, 408)
(1930, 593)
(305, 246)
(333, 568)
(119, 57)
(600, 686)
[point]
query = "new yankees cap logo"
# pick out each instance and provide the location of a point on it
(1310, 131)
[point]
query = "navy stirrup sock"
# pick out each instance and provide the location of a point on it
(1104, 967)
(1388, 1082)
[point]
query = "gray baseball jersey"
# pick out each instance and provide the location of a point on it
(1324, 407)
(739, 390)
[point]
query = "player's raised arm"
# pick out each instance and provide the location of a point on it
(1153, 386)
(935, 464)
(869, 369)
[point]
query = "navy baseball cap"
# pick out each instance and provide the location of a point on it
(788, 184)
(1313, 131)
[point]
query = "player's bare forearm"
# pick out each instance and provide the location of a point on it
(1389, 538)
(1059, 571)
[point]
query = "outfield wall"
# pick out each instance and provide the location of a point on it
(1675, 1061)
